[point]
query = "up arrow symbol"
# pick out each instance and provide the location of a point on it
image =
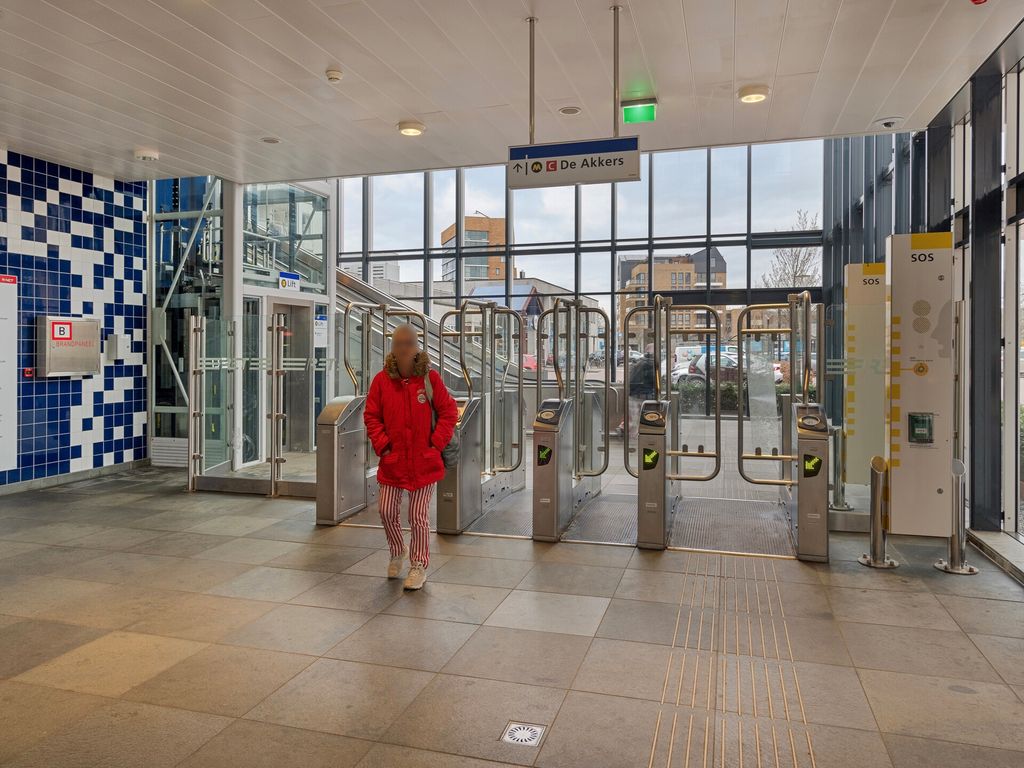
(518, 167)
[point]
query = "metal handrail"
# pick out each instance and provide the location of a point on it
(555, 309)
(804, 300)
(741, 333)
(520, 419)
(345, 338)
(581, 386)
(625, 385)
(716, 333)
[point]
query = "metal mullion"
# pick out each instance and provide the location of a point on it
(650, 227)
(613, 232)
(577, 231)
(460, 227)
(750, 218)
(428, 230)
(367, 220)
(509, 234)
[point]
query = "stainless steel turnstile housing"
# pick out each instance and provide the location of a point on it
(654, 502)
(808, 506)
(459, 494)
(340, 459)
(552, 469)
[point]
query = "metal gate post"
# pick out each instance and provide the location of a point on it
(197, 339)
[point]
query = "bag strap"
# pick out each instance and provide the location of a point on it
(430, 396)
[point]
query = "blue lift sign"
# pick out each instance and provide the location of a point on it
(595, 161)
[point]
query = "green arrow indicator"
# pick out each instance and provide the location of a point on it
(650, 458)
(812, 465)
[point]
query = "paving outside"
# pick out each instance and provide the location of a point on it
(140, 625)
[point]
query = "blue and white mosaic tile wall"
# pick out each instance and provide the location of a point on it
(77, 245)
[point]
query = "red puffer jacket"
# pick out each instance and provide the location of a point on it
(398, 417)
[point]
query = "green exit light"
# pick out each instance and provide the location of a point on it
(639, 113)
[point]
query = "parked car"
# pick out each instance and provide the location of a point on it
(530, 363)
(729, 367)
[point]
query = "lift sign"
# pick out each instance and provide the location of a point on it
(812, 465)
(543, 455)
(650, 458)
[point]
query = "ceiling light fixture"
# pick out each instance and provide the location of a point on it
(411, 128)
(270, 140)
(334, 75)
(569, 111)
(753, 94)
(887, 123)
(144, 155)
(643, 110)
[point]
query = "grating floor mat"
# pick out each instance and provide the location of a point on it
(749, 527)
(610, 519)
(512, 516)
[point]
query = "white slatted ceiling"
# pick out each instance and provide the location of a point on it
(83, 82)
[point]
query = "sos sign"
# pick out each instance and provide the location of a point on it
(919, 257)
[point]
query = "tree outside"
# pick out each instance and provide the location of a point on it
(794, 267)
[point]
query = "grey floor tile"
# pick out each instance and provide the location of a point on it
(221, 680)
(54, 533)
(847, 748)
(793, 570)
(27, 643)
(298, 629)
(376, 564)
(189, 575)
(231, 525)
(990, 582)
(12, 548)
(782, 598)
(965, 711)
(274, 584)
(351, 536)
(909, 752)
(513, 549)
(916, 650)
(388, 755)
(249, 744)
(623, 668)
(30, 713)
(572, 579)
(986, 617)
(1006, 654)
(116, 567)
(593, 730)
(550, 612)
(402, 641)
(171, 519)
(818, 640)
(483, 571)
(295, 530)
(33, 595)
(466, 716)
(43, 560)
(112, 664)
(117, 538)
(318, 557)
(114, 607)
(520, 656)
(246, 550)
(449, 602)
(655, 586)
(644, 622)
(202, 617)
(877, 606)
(830, 695)
(178, 544)
(589, 554)
(349, 592)
(847, 573)
(126, 734)
(679, 562)
(343, 697)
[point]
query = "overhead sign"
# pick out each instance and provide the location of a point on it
(594, 161)
(289, 280)
(8, 372)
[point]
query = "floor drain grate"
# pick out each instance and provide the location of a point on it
(523, 734)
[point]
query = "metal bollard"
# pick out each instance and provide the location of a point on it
(956, 562)
(839, 471)
(877, 558)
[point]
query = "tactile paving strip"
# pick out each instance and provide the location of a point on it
(725, 525)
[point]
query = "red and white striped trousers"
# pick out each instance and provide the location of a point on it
(419, 521)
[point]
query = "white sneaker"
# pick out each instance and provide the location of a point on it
(417, 575)
(396, 564)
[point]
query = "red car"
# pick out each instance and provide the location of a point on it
(529, 362)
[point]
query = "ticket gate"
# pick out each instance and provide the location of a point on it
(808, 504)
(341, 486)
(553, 431)
(656, 493)
(459, 497)
(491, 425)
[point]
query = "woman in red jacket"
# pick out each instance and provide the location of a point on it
(399, 419)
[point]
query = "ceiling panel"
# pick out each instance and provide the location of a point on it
(85, 82)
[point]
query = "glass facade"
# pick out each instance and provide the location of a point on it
(718, 226)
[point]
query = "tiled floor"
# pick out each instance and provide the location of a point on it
(141, 626)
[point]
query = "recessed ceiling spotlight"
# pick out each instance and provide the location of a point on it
(334, 75)
(411, 128)
(270, 140)
(144, 155)
(569, 111)
(753, 94)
